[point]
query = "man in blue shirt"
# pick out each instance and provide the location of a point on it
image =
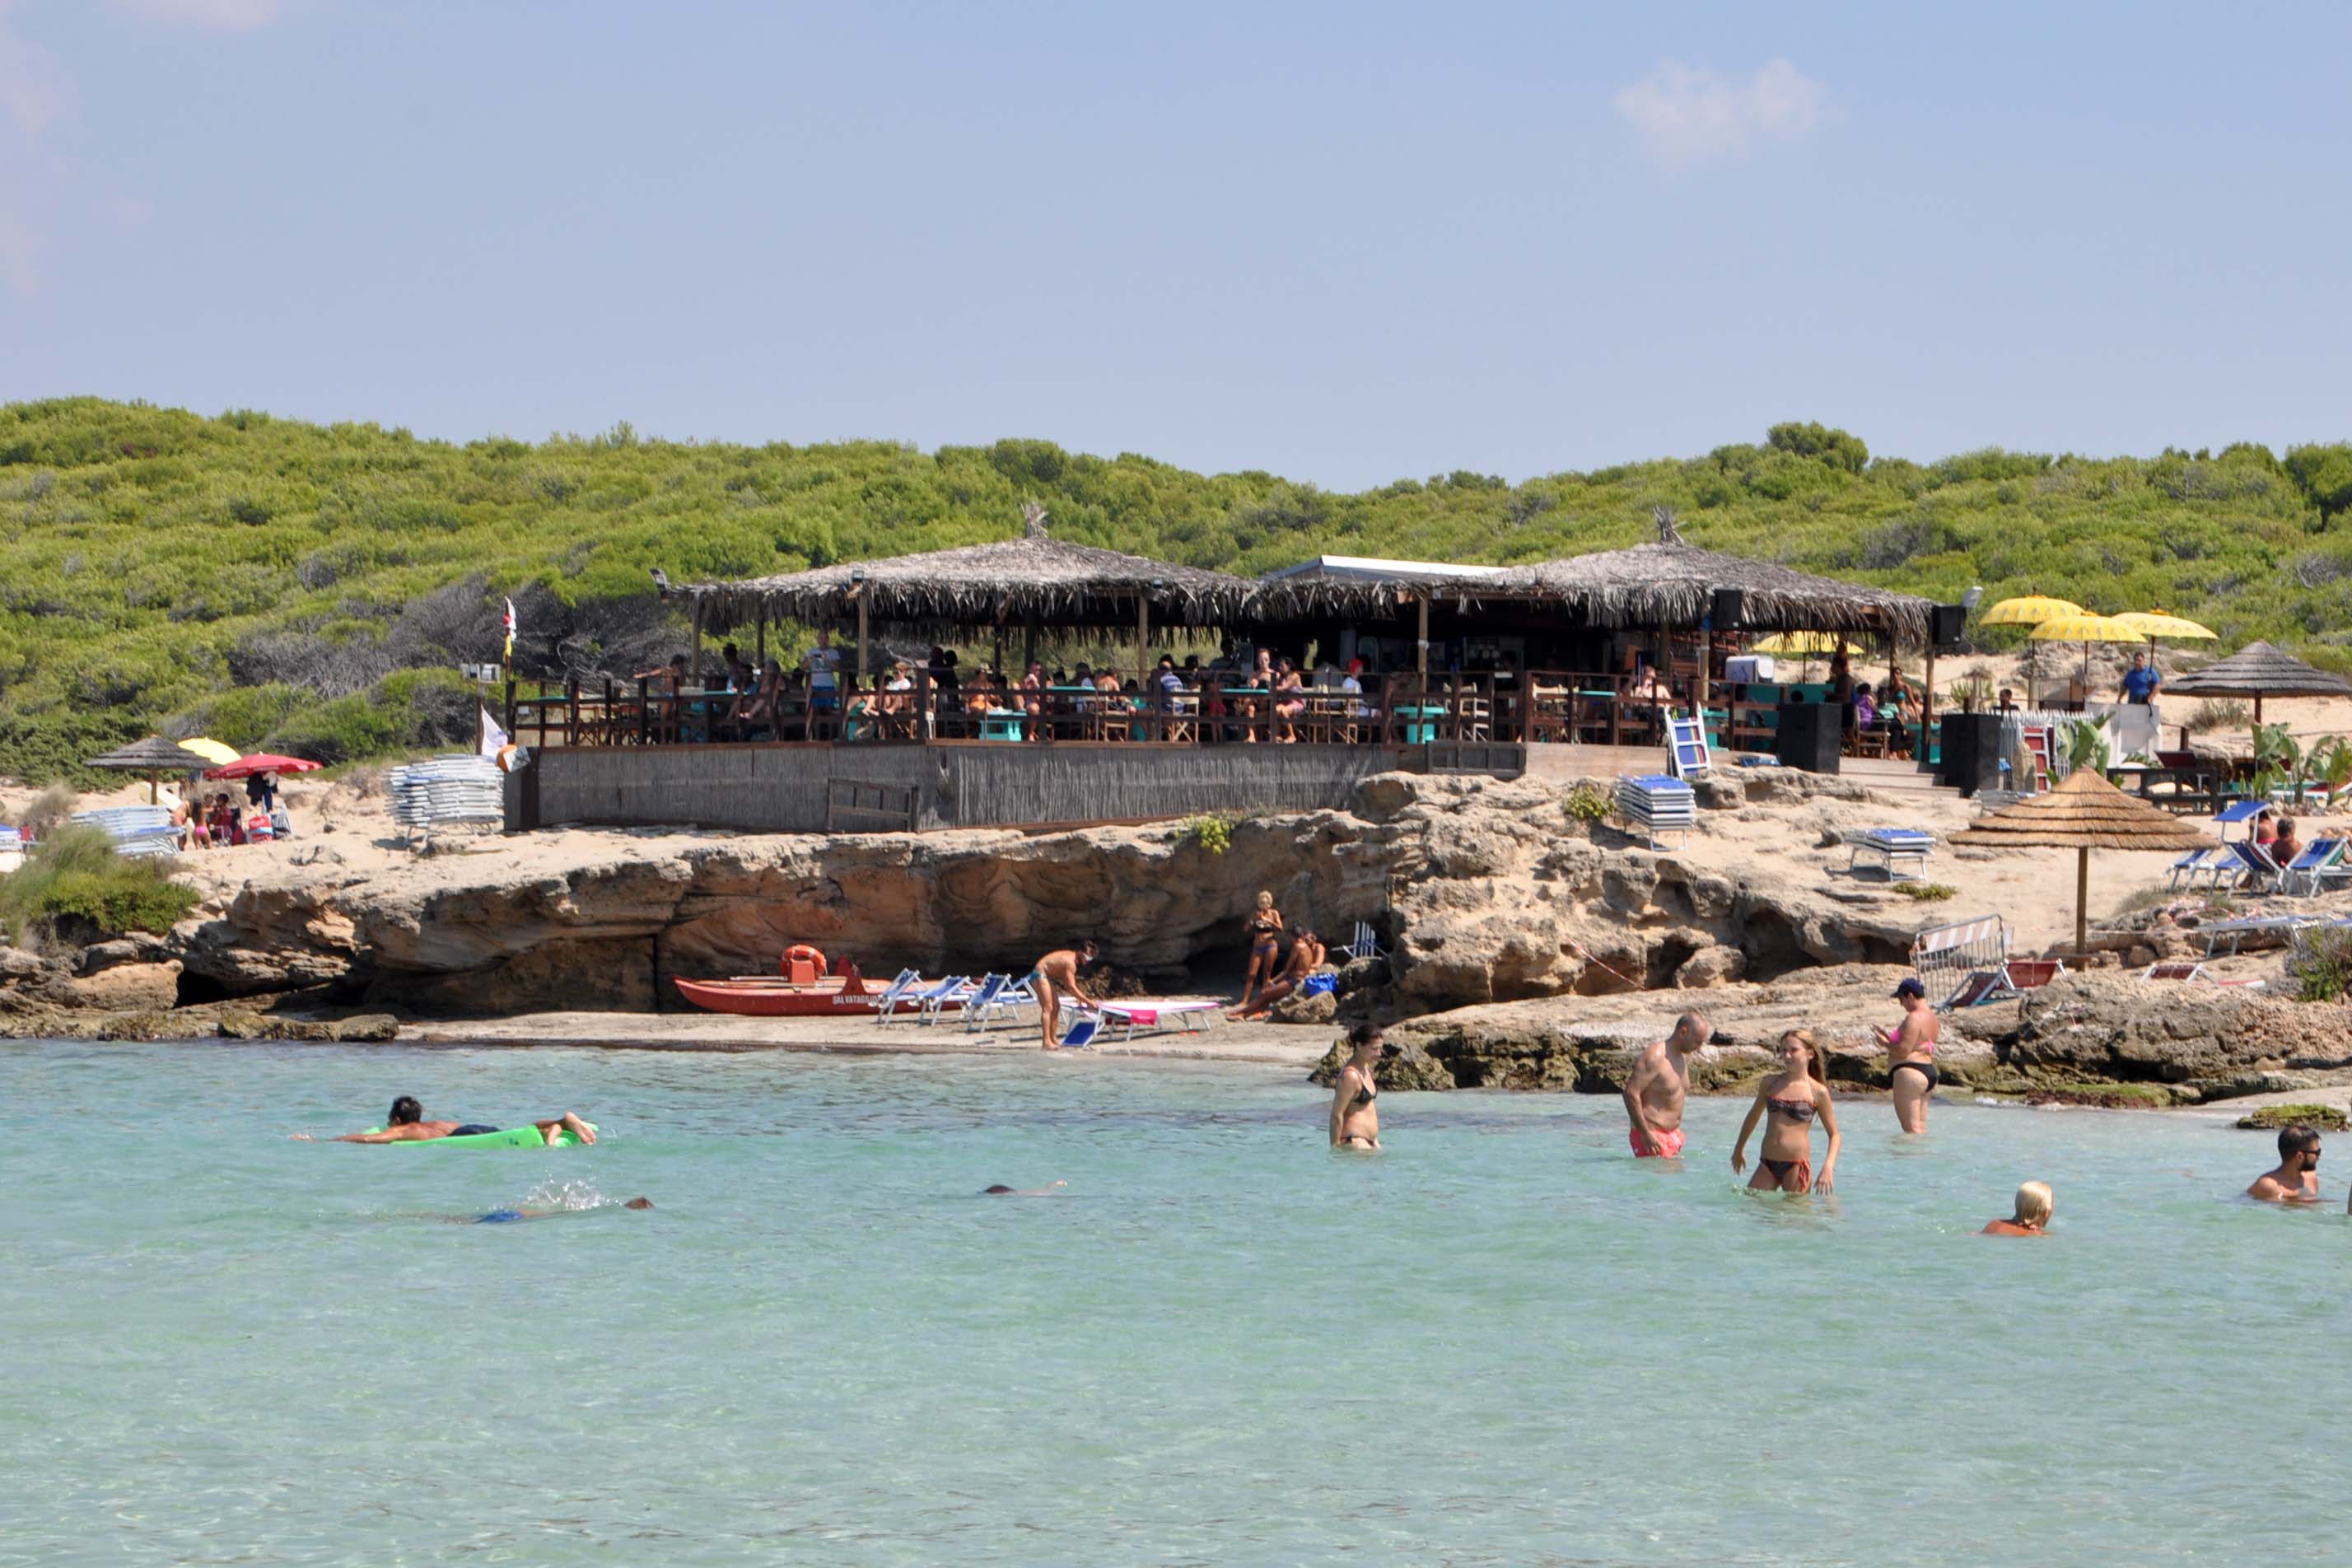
(2141, 681)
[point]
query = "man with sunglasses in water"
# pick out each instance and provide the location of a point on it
(2296, 1180)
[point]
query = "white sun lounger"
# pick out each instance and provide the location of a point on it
(1159, 1017)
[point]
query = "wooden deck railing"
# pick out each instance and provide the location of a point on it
(1556, 706)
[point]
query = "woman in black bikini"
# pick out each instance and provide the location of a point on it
(1266, 951)
(1788, 1102)
(1355, 1119)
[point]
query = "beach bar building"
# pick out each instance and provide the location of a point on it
(1563, 668)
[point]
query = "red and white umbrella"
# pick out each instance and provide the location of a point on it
(262, 763)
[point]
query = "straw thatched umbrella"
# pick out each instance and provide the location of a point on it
(1668, 584)
(2258, 671)
(2083, 813)
(1019, 582)
(152, 758)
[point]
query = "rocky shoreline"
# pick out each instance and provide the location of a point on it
(1529, 948)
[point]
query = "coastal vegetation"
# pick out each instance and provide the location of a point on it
(2271, 1117)
(75, 886)
(313, 587)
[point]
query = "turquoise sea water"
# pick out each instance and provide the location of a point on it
(1499, 1342)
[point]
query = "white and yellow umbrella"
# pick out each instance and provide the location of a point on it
(212, 751)
(2087, 628)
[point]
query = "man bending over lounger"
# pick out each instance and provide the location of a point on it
(406, 1124)
(1657, 1087)
(1057, 976)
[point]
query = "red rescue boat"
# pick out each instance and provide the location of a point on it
(800, 989)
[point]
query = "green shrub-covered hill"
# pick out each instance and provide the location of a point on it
(313, 586)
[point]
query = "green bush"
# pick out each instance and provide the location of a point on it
(2321, 963)
(74, 877)
(1214, 832)
(1927, 892)
(414, 711)
(1588, 800)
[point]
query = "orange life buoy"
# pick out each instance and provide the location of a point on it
(801, 951)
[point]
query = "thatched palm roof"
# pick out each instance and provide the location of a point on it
(153, 755)
(2084, 812)
(2257, 670)
(1009, 582)
(1673, 584)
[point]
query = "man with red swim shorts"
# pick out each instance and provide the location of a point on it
(1656, 1087)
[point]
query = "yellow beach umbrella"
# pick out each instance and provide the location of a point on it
(2086, 628)
(2027, 610)
(212, 751)
(1807, 643)
(2154, 623)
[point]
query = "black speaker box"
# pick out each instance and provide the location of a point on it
(1730, 608)
(1970, 755)
(1809, 735)
(1946, 622)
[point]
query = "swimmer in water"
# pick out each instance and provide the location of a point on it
(2031, 1217)
(2296, 1180)
(507, 1216)
(1001, 1190)
(1788, 1102)
(406, 1124)
(1355, 1117)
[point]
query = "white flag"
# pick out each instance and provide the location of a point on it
(494, 740)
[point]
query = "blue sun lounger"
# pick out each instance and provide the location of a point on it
(1900, 852)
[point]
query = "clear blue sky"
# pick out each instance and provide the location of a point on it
(1346, 243)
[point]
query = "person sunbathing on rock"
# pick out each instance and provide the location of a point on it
(406, 1124)
(1306, 956)
(2296, 1180)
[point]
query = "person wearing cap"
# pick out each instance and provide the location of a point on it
(1910, 1049)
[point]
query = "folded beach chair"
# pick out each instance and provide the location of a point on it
(926, 996)
(1365, 945)
(1080, 1034)
(1900, 852)
(1968, 961)
(2174, 972)
(1004, 996)
(1687, 756)
(2303, 874)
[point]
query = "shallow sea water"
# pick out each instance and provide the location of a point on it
(1499, 1342)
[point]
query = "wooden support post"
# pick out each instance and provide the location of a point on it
(1028, 644)
(2082, 899)
(1928, 702)
(1421, 657)
(760, 647)
(1705, 668)
(1142, 642)
(861, 643)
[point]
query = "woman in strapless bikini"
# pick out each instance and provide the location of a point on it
(1355, 1117)
(1789, 1104)
(1266, 951)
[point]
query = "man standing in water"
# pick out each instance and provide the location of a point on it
(2296, 1180)
(1910, 1053)
(1056, 974)
(1657, 1087)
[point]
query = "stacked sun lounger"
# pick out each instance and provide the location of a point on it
(455, 788)
(1653, 805)
(135, 829)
